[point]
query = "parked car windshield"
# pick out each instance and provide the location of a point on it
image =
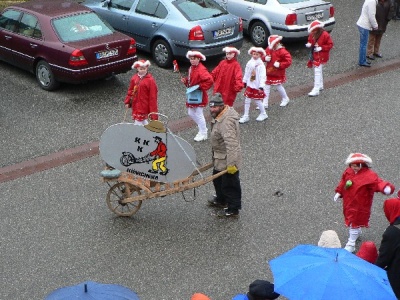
(194, 10)
(81, 27)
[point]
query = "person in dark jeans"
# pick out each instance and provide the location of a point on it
(226, 156)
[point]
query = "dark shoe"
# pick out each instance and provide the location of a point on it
(378, 55)
(164, 172)
(226, 213)
(214, 203)
(365, 65)
(153, 171)
(371, 57)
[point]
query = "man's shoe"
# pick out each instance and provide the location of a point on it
(212, 202)
(365, 65)
(371, 57)
(244, 119)
(350, 247)
(226, 213)
(284, 102)
(262, 117)
(378, 55)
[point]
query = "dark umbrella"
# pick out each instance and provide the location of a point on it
(90, 290)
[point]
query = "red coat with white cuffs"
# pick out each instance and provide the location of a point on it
(277, 75)
(199, 75)
(357, 198)
(326, 43)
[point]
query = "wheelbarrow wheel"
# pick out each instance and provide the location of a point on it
(117, 193)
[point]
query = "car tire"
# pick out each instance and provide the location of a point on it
(259, 34)
(45, 76)
(162, 53)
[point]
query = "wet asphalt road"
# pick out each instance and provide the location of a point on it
(56, 229)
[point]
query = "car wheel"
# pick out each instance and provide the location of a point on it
(162, 54)
(259, 34)
(45, 76)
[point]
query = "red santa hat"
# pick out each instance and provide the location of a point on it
(195, 54)
(273, 40)
(314, 25)
(230, 49)
(368, 252)
(140, 63)
(257, 49)
(358, 158)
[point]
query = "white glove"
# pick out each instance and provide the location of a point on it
(276, 64)
(387, 190)
(308, 45)
(317, 49)
(268, 58)
(336, 197)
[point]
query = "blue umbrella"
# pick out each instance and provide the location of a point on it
(90, 290)
(315, 273)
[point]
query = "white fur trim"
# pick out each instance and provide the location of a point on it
(231, 49)
(315, 24)
(257, 49)
(358, 157)
(141, 63)
(273, 39)
(196, 54)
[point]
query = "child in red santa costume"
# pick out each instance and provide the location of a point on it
(320, 44)
(254, 82)
(198, 75)
(357, 187)
(278, 60)
(142, 94)
(228, 76)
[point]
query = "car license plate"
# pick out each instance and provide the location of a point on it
(223, 32)
(315, 16)
(107, 53)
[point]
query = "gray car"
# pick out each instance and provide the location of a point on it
(288, 18)
(169, 28)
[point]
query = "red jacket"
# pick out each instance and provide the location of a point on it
(357, 198)
(142, 97)
(325, 42)
(228, 80)
(199, 75)
(277, 75)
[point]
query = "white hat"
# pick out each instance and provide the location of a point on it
(357, 158)
(257, 49)
(273, 40)
(315, 24)
(329, 239)
(140, 63)
(230, 49)
(195, 54)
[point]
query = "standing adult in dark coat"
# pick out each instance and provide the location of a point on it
(389, 251)
(384, 13)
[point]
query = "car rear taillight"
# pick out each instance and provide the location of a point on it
(331, 12)
(291, 19)
(77, 59)
(240, 25)
(132, 48)
(196, 34)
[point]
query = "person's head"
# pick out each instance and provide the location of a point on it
(256, 52)
(157, 139)
(199, 296)
(314, 25)
(274, 41)
(141, 66)
(329, 239)
(216, 105)
(262, 290)
(195, 57)
(231, 52)
(391, 207)
(356, 161)
(368, 252)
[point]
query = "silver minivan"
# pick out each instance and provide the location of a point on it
(288, 18)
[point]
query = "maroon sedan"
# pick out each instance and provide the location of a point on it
(62, 41)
